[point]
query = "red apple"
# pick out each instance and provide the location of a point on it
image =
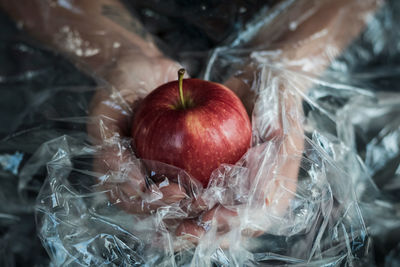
(192, 124)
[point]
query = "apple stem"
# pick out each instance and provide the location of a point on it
(181, 73)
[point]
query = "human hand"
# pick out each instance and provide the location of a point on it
(123, 175)
(320, 37)
(132, 192)
(272, 166)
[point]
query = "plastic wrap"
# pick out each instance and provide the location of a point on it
(323, 222)
(318, 187)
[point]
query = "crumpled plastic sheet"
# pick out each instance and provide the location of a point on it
(341, 208)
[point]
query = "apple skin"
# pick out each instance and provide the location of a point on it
(212, 129)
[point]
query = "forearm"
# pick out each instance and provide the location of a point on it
(93, 33)
(326, 34)
(310, 34)
(319, 29)
(102, 38)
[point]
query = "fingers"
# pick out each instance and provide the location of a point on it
(121, 179)
(241, 86)
(129, 199)
(220, 217)
(189, 230)
(197, 206)
(124, 181)
(172, 193)
(134, 203)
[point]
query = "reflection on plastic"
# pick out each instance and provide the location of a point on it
(11, 162)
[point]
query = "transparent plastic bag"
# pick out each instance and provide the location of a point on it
(323, 222)
(305, 194)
